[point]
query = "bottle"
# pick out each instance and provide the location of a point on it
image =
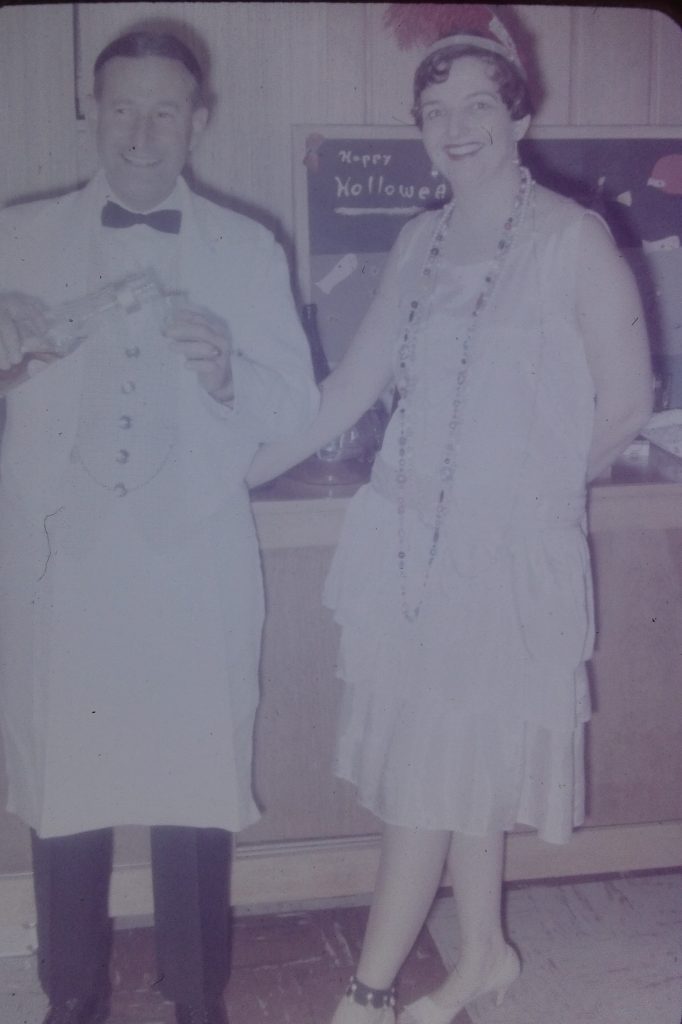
(320, 362)
(70, 324)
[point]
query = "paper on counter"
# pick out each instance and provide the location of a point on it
(665, 430)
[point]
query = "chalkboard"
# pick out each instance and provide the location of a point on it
(355, 187)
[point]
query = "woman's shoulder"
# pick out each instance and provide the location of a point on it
(423, 223)
(555, 212)
(563, 222)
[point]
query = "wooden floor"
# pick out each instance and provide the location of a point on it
(286, 969)
(594, 952)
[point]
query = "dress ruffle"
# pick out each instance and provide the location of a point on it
(451, 724)
(421, 764)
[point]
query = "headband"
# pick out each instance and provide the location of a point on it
(509, 51)
(439, 25)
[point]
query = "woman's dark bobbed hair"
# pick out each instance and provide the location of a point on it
(511, 84)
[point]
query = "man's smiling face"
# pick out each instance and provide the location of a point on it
(147, 121)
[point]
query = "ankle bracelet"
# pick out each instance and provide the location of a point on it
(379, 998)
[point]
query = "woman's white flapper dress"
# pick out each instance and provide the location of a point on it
(471, 717)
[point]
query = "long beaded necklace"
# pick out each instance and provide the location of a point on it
(406, 381)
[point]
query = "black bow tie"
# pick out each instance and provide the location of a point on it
(115, 216)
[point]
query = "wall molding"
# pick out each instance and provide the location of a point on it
(336, 869)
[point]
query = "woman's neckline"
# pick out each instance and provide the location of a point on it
(448, 262)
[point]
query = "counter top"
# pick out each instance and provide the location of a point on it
(637, 494)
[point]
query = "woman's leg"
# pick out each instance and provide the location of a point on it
(475, 867)
(410, 870)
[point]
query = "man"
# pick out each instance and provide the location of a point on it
(130, 590)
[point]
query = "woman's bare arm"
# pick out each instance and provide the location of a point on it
(356, 383)
(616, 344)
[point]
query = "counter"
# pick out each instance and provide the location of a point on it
(290, 513)
(313, 833)
(314, 842)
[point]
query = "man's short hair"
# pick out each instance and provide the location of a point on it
(148, 43)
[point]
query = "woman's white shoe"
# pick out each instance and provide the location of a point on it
(426, 1011)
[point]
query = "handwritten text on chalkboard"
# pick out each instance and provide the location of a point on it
(360, 192)
(361, 188)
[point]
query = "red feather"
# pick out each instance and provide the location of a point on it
(422, 24)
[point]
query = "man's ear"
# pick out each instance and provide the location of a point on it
(199, 122)
(90, 107)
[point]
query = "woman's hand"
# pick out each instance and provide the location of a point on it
(205, 342)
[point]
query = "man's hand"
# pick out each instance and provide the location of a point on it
(205, 342)
(22, 328)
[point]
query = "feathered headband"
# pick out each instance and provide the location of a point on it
(439, 25)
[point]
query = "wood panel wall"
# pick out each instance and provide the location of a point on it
(278, 64)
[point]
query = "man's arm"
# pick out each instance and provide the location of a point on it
(254, 367)
(22, 332)
(274, 389)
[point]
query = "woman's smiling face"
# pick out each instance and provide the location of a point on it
(467, 129)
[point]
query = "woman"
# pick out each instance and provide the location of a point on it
(515, 336)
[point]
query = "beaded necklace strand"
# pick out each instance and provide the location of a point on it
(406, 380)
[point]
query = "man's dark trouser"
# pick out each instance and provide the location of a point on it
(190, 872)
